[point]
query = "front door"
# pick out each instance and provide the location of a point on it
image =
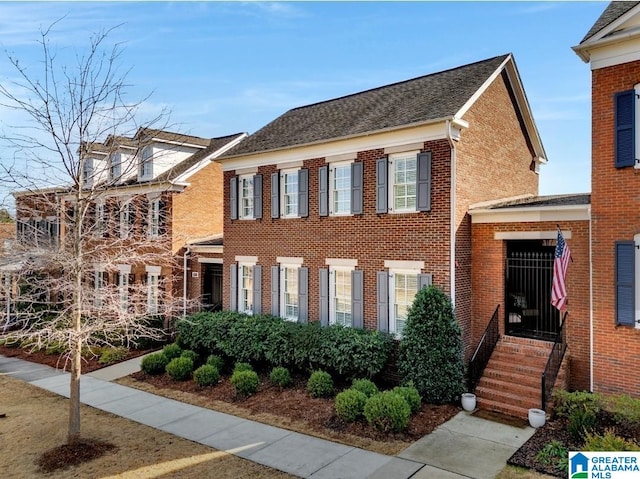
(212, 286)
(529, 275)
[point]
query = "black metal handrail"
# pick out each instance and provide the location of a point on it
(483, 352)
(552, 368)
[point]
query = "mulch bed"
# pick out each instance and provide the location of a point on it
(67, 455)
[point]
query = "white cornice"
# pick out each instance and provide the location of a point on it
(530, 214)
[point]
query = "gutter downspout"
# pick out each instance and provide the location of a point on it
(452, 203)
(187, 253)
(590, 303)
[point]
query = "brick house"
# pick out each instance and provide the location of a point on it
(612, 48)
(339, 211)
(147, 193)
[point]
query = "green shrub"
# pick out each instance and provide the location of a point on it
(411, 395)
(625, 409)
(245, 382)
(365, 386)
(206, 375)
(387, 412)
(608, 442)
(215, 361)
(112, 355)
(180, 369)
(350, 404)
(172, 351)
(280, 377)
(242, 367)
(581, 421)
(55, 348)
(564, 402)
(320, 384)
(187, 353)
(555, 454)
(154, 363)
(430, 352)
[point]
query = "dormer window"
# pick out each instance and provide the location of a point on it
(115, 166)
(146, 163)
(87, 173)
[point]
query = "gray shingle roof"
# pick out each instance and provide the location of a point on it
(550, 200)
(430, 97)
(613, 11)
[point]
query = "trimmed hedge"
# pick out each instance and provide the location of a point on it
(280, 377)
(172, 351)
(348, 352)
(411, 395)
(350, 404)
(387, 412)
(320, 384)
(206, 375)
(365, 386)
(180, 369)
(154, 363)
(245, 382)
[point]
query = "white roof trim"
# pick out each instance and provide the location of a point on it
(531, 214)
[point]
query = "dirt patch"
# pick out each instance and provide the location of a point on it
(35, 423)
(292, 408)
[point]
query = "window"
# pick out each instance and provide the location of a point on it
(289, 282)
(396, 290)
(289, 189)
(403, 183)
(153, 289)
(246, 283)
(101, 220)
(290, 193)
(87, 172)
(125, 220)
(245, 188)
(115, 166)
(289, 290)
(146, 162)
(123, 287)
(340, 189)
(154, 218)
(245, 287)
(341, 293)
(99, 282)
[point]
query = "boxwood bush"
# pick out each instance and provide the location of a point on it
(180, 369)
(320, 384)
(242, 367)
(411, 395)
(387, 412)
(206, 375)
(350, 404)
(245, 382)
(430, 352)
(172, 351)
(280, 376)
(112, 355)
(215, 361)
(154, 363)
(365, 386)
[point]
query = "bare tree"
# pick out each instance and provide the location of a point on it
(80, 276)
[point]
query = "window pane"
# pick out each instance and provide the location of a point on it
(404, 183)
(246, 288)
(246, 193)
(405, 290)
(342, 298)
(290, 308)
(341, 187)
(290, 193)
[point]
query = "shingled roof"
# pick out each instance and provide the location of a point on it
(430, 97)
(613, 11)
(572, 199)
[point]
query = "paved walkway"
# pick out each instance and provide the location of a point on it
(464, 447)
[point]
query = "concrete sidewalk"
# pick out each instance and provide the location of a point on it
(463, 447)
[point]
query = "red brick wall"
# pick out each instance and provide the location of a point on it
(370, 238)
(488, 273)
(616, 216)
(492, 161)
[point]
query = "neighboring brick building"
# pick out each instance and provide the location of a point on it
(338, 211)
(612, 47)
(156, 190)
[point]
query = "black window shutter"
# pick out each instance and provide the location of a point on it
(382, 302)
(357, 300)
(257, 196)
(303, 193)
(423, 186)
(324, 297)
(275, 291)
(625, 128)
(275, 195)
(303, 295)
(382, 179)
(625, 283)
(356, 188)
(233, 198)
(323, 191)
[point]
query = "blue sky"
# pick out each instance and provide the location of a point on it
(223, 68)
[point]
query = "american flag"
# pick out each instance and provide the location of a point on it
(560, 265)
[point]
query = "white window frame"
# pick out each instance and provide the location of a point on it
(153, 288)
(124, 220)
(123, 287)
(394, 160)
(98, 286)
(289, 273)
(146, 163)
(289, 198)
(100, 225)
(154, 218)
(245, 303)
(332, 187)
(393, 317)
(115, 166)
(87, 172)
(245, 197)
(334, 273)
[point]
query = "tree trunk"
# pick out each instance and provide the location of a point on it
(73, 434)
